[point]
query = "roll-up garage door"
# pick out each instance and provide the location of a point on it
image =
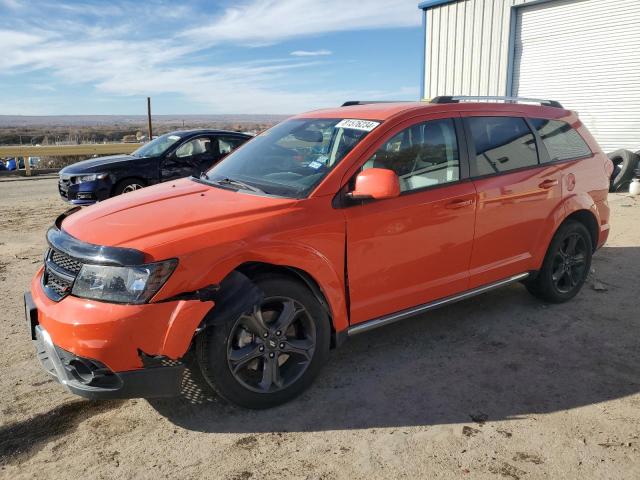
(586, 55)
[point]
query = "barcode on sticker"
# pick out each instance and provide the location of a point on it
(366, 125)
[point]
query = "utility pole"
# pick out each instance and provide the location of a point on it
(149, 118)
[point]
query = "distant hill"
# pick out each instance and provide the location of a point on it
(112, 120)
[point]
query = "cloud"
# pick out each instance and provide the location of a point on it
(43, 87)
(11, 4)
(114, 55)
(261, 22)
(310, 53)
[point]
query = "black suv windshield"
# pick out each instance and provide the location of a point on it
(157, 146)
(291, 158)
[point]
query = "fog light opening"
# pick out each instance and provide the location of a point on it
(81, 371)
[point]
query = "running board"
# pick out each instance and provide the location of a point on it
(410, 312)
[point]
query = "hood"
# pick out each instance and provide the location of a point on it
(94, 165)
(171, 212)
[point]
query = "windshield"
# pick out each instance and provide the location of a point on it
(156, 147)
(291, 158)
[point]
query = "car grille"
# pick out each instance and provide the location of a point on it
(64, 182)
(66, 262)
(60, 272)
(63, 186)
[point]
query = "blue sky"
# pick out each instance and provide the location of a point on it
(203, 57)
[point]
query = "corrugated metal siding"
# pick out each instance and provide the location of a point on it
(586, 54)
(467, 49)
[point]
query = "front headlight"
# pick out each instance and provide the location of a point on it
(122, 284)
(91, 177)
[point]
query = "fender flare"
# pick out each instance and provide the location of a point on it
(313, 267)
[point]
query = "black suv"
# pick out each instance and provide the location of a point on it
(174, 155)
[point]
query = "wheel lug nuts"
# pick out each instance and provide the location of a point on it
(271, 355)
(282, 345)
(278, 333)
(265, 334)
(261, 348)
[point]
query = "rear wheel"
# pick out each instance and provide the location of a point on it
(566, 265)
(270, 355)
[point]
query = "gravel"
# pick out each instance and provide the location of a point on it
(498, 386)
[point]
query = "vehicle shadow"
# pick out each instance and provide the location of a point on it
(21, 440)
(502, 355)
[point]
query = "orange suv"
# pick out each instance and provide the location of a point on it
(327, 225)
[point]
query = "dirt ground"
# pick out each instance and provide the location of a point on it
(498, 386)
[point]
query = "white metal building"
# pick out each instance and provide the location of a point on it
(583, 53)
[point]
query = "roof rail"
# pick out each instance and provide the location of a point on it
(458, 99)
(350, 103)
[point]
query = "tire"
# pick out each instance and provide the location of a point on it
(247, 369)
(564, 269)
(624, 165)
(128, 185)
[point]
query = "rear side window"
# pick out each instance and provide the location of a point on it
(562, 141)
(502, 144)
(228, 144)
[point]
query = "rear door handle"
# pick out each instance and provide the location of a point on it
(459, 204)
(548, 184)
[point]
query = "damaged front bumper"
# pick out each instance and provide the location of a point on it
(92, 379)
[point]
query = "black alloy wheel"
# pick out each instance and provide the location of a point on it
(566, 265)
(569, 263)
(272, 347)
(271, 354)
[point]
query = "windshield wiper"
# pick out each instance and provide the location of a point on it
(231, 181)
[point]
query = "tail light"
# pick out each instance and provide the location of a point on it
(608, 167)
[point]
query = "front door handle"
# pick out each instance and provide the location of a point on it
(459, 204)
(548, 184)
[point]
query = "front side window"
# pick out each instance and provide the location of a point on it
(502, 144)
(291, 158)
(562, 141)
(422, 155)
(157, 146)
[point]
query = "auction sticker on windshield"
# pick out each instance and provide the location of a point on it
(366, 125)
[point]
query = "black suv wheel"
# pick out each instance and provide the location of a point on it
(566, 265)
(267, 357)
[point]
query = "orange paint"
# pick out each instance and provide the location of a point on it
(401, 251)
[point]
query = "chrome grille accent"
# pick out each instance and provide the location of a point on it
(60, 271)
(60, 286)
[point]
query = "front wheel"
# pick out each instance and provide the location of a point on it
(128, 185)
(566, 265)
(268, 356)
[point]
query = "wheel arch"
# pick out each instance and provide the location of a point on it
(254, 268)
(580, 208)
(589, 220)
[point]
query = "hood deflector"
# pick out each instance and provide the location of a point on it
(90, 253)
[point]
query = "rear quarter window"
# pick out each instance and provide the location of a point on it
(562, 141)
(502, 144)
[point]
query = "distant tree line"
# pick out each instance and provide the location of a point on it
(64, 135)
